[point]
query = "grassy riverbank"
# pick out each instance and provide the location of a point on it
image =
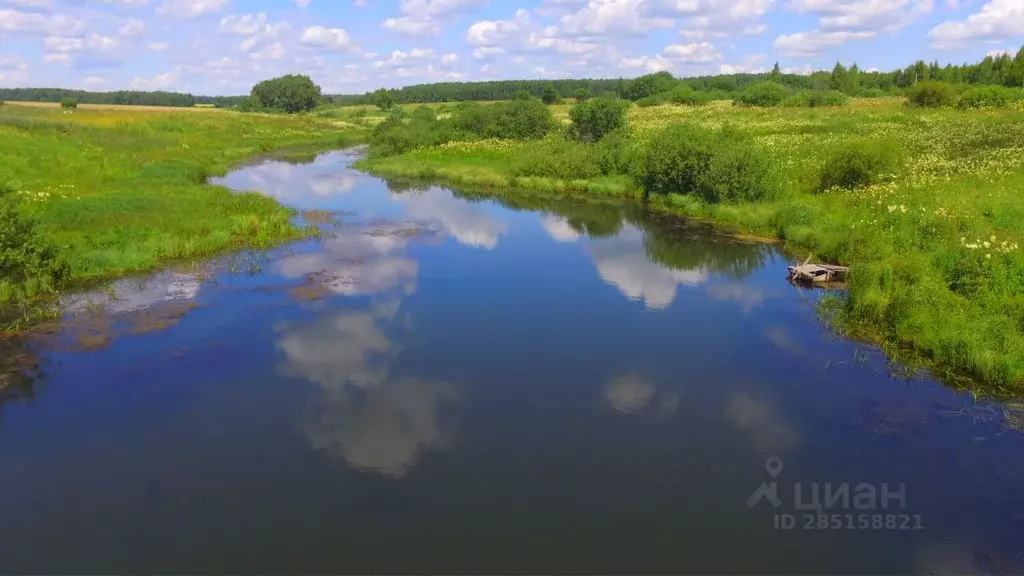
(120, 191)
(933, 246)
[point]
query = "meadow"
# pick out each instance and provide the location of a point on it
(932, 239)
(114, 191)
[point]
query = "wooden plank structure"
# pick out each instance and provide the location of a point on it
(817, 273)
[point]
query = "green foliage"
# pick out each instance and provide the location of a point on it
(556, 158)
(989, 97)
(649, 85)
(653, 100)
(931, 94)
(592, 119)
(815, 98)
(859, 164)
(549, 95)
(69, 103)
(26, 254)
(383, 99)
(522, 95)
(687, 96)
(717, 166)
(872, 93)
(291, 93)
(763, 95)
(582, 94)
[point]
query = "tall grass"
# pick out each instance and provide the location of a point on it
(119, 192)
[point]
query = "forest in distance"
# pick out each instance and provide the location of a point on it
(1004, 69)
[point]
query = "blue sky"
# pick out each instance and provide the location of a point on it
(348, 46)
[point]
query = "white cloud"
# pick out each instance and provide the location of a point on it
(558, 228)
(31, 3)
(191, 8)
(449, 58)
(158, 46)
(245, 25)
(275, 51)
(815, 43)
(158, 82)
(485, 52)
(697, 52)
(622, 262)
(134, 27)
(610, 17)
(864, 15)
(326, 38)
(997, 20)
(93, 80)
(93, 51)
(494, 32)
(399, 58)
(427, 17)
(302, 3)
(31, 23)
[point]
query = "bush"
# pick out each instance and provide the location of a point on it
(594, 118)
(25, 252)
(290, 93)
(655, 100)
(717, 166)
(763, 95)
(860, 164)
(582, 94)
(931, 94)
(556, 158)
(649, 85)
(687, 96)
(618, 153)
(382, 99)
(988, 97)
(69, 103)
(518, 119)
(549, 95)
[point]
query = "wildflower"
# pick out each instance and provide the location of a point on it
(988, 256)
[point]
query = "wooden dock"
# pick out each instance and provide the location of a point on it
(817, 273)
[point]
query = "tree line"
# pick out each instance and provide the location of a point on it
(1004, 69)
(122, 97)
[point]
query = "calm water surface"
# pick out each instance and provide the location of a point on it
(450, 384)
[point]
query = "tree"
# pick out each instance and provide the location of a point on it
(594, 118)
(649, 85)
(838, 79)
(69, 103)
(549, 95)
(382, 99)
(522, 95)
(776, 74)
(582, 94)
(292, 93)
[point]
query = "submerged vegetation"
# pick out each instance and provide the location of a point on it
(921, 202)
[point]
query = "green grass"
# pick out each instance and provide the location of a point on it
(936, 268)
(123, 191)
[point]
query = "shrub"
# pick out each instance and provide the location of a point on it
(556, 158)
(687, 96)
(582, 94)
(25, 252)
(763, 95)
(801, 99)
(594, 118)
(989, 97)
(931, 94)
(618, 153)
(290, 93)
(549, 95)
(382, 99)
(69, 103)
(859, 164)
(649, 85)
(522, 95)
(830, 98)
(655, 100)
(717, 166)
(518, 119)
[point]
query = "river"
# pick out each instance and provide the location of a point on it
(447, 383)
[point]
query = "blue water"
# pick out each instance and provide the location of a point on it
(452, 384)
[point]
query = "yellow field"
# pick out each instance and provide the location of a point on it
(123, 107)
